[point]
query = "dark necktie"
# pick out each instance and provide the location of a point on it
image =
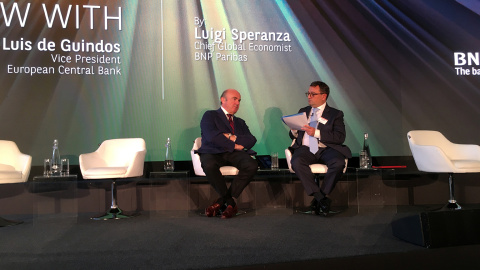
(230, 120)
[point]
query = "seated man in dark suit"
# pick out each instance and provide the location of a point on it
(226, 140)
(321, 141)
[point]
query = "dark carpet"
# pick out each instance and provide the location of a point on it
(250, 241)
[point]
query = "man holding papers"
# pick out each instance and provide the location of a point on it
(320, 141)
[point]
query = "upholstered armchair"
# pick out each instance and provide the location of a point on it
(114, 159)
(433, 152)
(14, 168)
(317, 168)
(197, 165)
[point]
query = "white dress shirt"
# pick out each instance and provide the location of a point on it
(317, 134)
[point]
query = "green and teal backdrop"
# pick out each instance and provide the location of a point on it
(86, 71)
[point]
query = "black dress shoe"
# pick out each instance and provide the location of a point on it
(323, 206)
(313, 205)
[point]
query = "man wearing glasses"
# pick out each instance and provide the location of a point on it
(320, 142)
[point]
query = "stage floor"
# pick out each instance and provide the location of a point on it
(156, 240)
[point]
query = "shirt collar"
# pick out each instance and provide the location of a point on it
(225, 112)
(321, 107)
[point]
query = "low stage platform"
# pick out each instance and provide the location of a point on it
(170, 233)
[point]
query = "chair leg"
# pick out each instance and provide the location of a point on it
(452, 203)
(6, 222)
(114, 212)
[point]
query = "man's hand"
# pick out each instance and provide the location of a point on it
(309, 130)
(230, 136)
(239, 147)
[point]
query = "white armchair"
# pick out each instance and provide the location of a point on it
(14, 166)
(116, 158)
(433, 152)
(197, 165)
(317, 168)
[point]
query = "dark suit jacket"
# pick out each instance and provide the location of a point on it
(332, 133)
(214, 123)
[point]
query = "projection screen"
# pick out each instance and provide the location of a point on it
(86, 71)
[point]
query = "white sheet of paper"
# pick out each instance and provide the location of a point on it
(295, 121)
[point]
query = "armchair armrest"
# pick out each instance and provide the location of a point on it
(465, 152)
(91, 160)
(136, 165)
(25, 164)
(431, 158)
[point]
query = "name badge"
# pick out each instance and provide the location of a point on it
(322, 120)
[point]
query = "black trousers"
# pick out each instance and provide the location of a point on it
(301, 160)
(246, 165)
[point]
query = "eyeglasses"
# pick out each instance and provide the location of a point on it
(313, 94)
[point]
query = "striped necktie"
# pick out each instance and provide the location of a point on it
(230, 120)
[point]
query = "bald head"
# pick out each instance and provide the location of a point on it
(230, 100)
